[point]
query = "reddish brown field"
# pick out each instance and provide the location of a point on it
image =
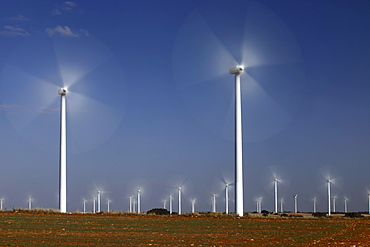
(26, 229)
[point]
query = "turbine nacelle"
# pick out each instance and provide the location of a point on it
(62, 91)
(236, 70)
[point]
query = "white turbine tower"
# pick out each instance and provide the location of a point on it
(138, 202)
(193, 205)
(1, 203)
(29, 203)
(334, 203)
(214, 203)
(345, 204)
(63, 152)
(226, 198)
(179, 200)
(329, 197)
(164, 204)
(94, 205)
(130, 204)
(314, 204)
(281, 205)
(108, 202)
(84, 205)
(239, 198)
(295, 203)
(276, 194)
(368, 198)
(99, 200)
(170, 204)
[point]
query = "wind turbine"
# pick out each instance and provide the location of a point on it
(138, 202)
(94, 205)
(314, 204)
(226, 198)
(84, 205)
(276, 194)
(193, 205)
(345, 204)
(170, 204)
(239, 197)
(1, 203)
(295, 203)
(334, 203)
(281, 205)
(214, 203)
(130, 204)
(108, 202)
(164, 203)
(62, 68)
(29, 203)
(179, 200)
(63, 152)
(244, 49)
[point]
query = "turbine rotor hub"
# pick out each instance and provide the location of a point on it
(62, 91)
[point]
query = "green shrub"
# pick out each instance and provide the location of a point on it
(158, 211)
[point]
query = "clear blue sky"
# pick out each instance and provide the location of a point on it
(150, 102)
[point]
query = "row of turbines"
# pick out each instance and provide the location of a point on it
(238, 176)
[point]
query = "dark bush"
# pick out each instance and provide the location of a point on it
(284, 215)
(319, 214)
(353, 215)
(264, 211)
(158, 211)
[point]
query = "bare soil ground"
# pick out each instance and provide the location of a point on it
(27, 229)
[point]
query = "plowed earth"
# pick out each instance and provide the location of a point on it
(25, 229)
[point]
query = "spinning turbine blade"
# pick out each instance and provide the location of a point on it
(254, 37)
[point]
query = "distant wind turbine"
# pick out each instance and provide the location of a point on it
(226, 198)
(29, 203)
(214, 203)
(1, 203)
(170, 204)
(334, 203)
(314, 204)
(295, 203)
(179, 200)
(138, 202)
(345, 204)
(84, 205)
(276, 194)
(193, 205)
(130, 202)
(108, 202)
(281, 205)
(329, 198)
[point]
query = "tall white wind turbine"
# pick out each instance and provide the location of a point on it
(29, 203)
(345, 204)
(267, 57)
(130, 204)
(276, 194)
(63, 152)
(314, 204)
(226, 198)
(239, 197)
(1, 203)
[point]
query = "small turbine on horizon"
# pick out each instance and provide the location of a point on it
(214, 203)
(138, 201)
(29, 203)
(170, 204)
(179, 200)
(314, 204)
(329, 198)
(295, 203)
(193, 205)
(239, 198)
(345, 204)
